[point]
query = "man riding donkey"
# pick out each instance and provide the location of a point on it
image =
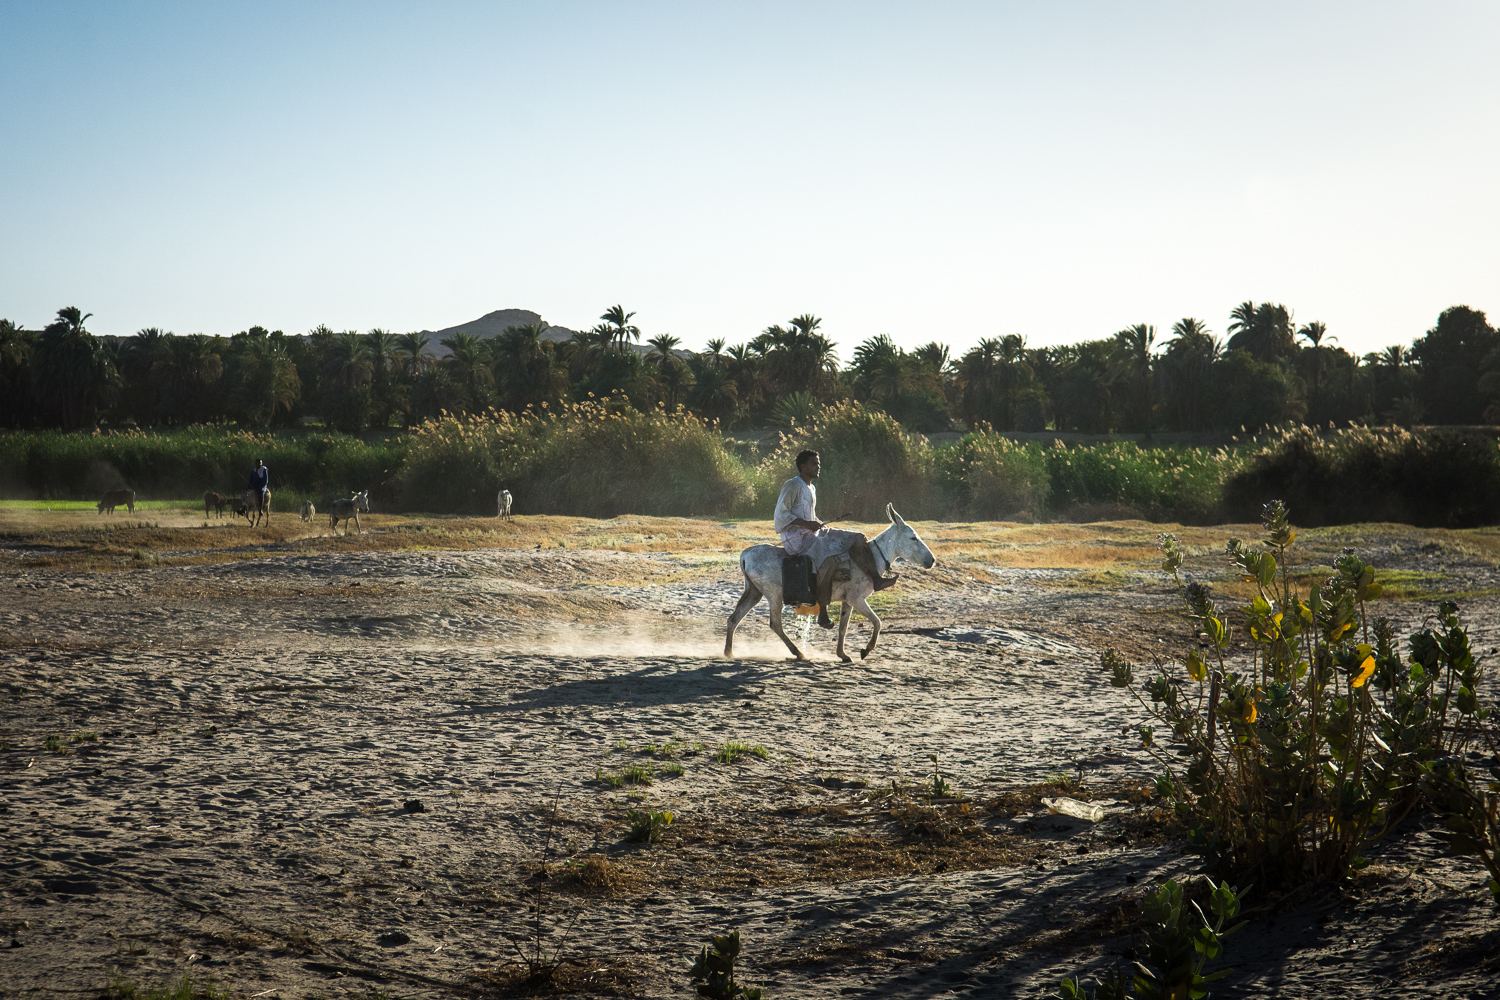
(802, 534)
(260, 484)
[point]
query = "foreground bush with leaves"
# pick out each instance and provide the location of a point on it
(1177, 949)
(1295, 761)
(713, 970)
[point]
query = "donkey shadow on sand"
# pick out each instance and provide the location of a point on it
(761, 565)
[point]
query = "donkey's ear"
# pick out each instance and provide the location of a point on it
(890, 513)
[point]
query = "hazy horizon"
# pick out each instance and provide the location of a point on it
(945, 173)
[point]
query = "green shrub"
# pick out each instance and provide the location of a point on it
(647, 825)
(713, 970)
(868, 461)
(1303, 757)
(599, 458)
(1430, 479)
(1177, 948)
(988, 476)
(1180, 484)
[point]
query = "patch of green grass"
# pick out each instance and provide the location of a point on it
(61, 505)
(630, 774)
(734, 750)
(120, 989)
(674, 770)
(84, 736)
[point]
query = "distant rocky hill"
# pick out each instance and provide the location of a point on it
(492, 325)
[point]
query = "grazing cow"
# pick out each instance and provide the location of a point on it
(502, 505)
(117, 498)
(344, 510)
(213, 500)
(258, 504)
(308, 510)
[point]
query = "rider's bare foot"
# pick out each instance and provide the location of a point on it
(885, 582)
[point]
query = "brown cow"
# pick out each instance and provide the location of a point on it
(117, 498)
(214, 500)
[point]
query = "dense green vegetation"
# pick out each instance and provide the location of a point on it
(605, 457)
(1270, 372)
(182, 464)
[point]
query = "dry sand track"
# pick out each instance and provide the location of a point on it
(262, 724)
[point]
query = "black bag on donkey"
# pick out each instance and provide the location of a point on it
(798, 583)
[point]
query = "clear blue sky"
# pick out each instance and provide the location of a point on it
(939, 171)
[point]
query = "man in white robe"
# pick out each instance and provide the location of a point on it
(802, 534)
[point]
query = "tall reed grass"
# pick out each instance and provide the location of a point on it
(598, 458)
(868, 460)
(178, 464)
(1429, 479)
(604, 457)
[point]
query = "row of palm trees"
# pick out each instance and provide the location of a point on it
(1267, 371)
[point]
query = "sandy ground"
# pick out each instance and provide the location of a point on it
(265, 708)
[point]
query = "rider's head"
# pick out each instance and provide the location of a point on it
(259, 463)
(808, 464)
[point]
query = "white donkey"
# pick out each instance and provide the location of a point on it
(761, 565)
(502, 505)
(347, 510)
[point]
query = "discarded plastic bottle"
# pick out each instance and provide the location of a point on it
(1072, 807)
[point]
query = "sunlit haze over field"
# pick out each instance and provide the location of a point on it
(949, 171)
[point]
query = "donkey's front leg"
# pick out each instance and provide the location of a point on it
(844, 617)
(863, 604)
(776, 627)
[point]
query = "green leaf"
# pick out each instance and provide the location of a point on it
(1266, 571)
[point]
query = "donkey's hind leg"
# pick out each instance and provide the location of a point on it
(776, 627)
(748, 600)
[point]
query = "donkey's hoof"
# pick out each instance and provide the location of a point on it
(863, 653)
(846, 658)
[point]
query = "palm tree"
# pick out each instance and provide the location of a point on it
(932, 357)
(807, 324)
(410, 350)
(715, 393)
(716, 351)
(662, 349)
(619, 322)
(15, 374)
(1266, 330)
(1396, 356)
(74, 373)
(991, 378)
(1186, 367)
(471, 368)
(528, 368)
(199, 368)
(266, 376)
(1315, 333)
(1241, 317)
(675, 379)
(1135, 343)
